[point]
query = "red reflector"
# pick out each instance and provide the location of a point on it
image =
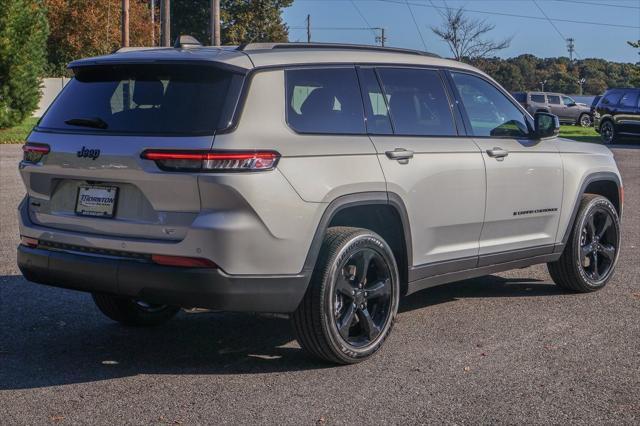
(188, 262)
(28, 241)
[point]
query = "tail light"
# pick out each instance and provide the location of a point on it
(212, 161)
(28, 241)
(187, 262)
(33, 152)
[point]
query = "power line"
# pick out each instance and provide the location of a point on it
(599, 4)
(512, 15)
(415, 23)
(363, 17)
(570, 41)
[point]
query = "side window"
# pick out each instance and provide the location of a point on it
(539, 99)
(568, 101)
(612, 98)
(324, 100)
(629, 99)
(553, 99)
(417, 101)
(490, 112)
(375, 104)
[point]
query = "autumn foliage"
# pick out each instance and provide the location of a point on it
(81, 28)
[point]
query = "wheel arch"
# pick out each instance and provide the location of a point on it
(380, 212)
(607, 184)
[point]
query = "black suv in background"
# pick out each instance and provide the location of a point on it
(618, 114)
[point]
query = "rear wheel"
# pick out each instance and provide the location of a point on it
(133, 312)
(585, 120)
(589, 258)
(608, 132)
(352, 300)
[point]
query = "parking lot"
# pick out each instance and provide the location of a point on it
(508, 348)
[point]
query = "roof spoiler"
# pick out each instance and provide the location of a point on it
(186, 41)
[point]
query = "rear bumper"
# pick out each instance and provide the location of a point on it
(186, 287)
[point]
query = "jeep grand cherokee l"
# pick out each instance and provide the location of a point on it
(320, 181)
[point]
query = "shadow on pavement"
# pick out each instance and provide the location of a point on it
(50, 336)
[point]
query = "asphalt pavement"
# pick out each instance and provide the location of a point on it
(506, 348)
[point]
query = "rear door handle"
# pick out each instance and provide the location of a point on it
(497, 153)
(401, 154)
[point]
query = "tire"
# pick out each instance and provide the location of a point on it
(346, 314)
(133, 312)
(589, 258)
(585, 120)
(608, 132)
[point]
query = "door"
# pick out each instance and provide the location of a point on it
(628, 115)
(570, 109)
(438, 174)
(524, 175)
(556, 107)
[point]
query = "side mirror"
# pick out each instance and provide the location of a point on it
(572, 104)
(546, 125)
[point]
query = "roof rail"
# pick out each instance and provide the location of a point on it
(346, 46)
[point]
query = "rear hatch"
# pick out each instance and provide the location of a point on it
(93, 179)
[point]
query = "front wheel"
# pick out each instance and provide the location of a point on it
(608, 132)
(133, 312)
(589, 258)
(352, 300)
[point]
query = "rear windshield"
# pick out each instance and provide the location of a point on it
(146, 99)
(520, 97)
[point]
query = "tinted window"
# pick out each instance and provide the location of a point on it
(375, 104)
(537, 99)
(417, 101)
(324, 100)
(553, 99)
(146, 99)
(490, 112)
(595, 101)
(611, 98)
(520, 97)
(629, 99)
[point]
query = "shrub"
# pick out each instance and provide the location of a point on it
(23, 36)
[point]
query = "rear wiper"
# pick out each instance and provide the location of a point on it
(96, 122)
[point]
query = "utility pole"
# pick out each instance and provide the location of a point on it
(215, 22)
(571, 47)
(125, 23)
(381, 38)
(308, 28)
(165, 22)
(153, 23)
(581, 82)
(542, 83)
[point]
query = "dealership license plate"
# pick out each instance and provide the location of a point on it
(94, 200)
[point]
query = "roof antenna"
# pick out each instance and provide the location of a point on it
(186, 41)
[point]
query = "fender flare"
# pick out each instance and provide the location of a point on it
(352, 200)
(593, 177)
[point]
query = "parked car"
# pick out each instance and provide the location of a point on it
(320, 181)
(618, 115)
(568, 110)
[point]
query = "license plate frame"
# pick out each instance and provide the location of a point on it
(92, 208)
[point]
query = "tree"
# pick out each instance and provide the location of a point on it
(242, 21)
(81, 28)
(23, 35)
(465, 36)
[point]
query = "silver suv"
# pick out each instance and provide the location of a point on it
(566, 108)
(320, 181)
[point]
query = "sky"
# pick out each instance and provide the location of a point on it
(346, 21)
